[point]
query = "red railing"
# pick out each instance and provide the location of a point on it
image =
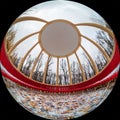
(15, 76)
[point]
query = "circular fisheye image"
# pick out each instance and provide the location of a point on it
(59, 60)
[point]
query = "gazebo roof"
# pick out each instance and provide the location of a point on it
(60, 52)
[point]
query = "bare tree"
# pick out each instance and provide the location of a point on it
(39, 64)
(105, 41)
(76, 74)
(87, 71)
(79, 76)
(15, 59)
(50, 79)
(100, 61)
(37, 75)
(50, 76)
(88, 68)
(64, 77)
(9, 38)
(26, 67)
(73, 70)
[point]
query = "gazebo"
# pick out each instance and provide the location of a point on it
(60, 59)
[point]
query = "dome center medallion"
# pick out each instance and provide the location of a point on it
(60, 38)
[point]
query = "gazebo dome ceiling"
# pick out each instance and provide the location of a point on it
(67, 48)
